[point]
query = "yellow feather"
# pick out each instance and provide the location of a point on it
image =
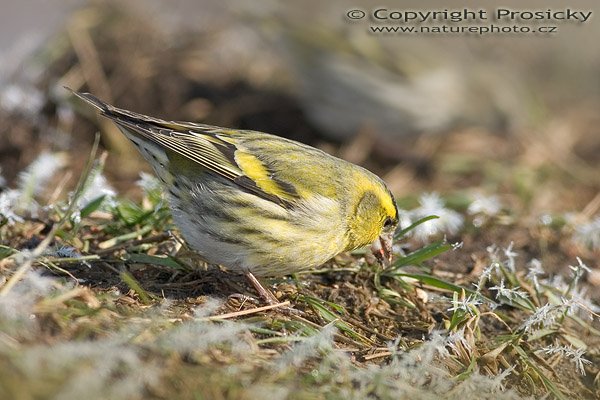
(254, 169)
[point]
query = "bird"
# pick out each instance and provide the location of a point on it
(256, 203)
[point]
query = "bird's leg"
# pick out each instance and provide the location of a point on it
(264, 294)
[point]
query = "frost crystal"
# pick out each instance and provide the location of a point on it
(449, 221)
(24, 99)
(588, 234)
(148, 183)
(487, 205)
(574, 355)
(465, 304)
(535, 270)
(8, 203)
(35, 178)
(510, 294)
(97, 187)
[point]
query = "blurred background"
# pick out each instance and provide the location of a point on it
(498, 135)
(510, 114)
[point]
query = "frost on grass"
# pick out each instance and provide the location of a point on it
(573, 297)
(457, 339)
(100, 369)
(535, 270)
(498, 262)
(487, 205)
(153, 190)
(496, 266)
(510, 255)
(508, 294)
(578, 271)
(545, 316)
(483, 207)
(22, 99)
(97, 186)
(588, 234)
(467, 304)
(421, 374)
(17, 306)
(63, 252)
(567, 300)
(9, 199)
(30, 183)
(118, 367)
(310, 347)
(448, 221)
(575, 356)
(198, 335)
(209, 307)
(586, 231)
(35, 178)
(149, 183)
(581, 304)
(327, 371)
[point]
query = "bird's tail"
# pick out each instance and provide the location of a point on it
(137, 128)
(93, 100)
(118, 115)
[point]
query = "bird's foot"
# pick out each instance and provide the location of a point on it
(269, 297)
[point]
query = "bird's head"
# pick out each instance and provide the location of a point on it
(374, 221)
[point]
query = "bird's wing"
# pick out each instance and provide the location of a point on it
(218, 150)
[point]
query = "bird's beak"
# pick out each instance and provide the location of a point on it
(382, 249)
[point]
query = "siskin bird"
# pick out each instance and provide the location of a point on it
(257, 203)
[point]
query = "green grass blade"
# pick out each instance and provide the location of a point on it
(92, 206)
(135, 286)
(423, 254)
(329, 316)
(441, 284)
(399, 234)
(142, 258)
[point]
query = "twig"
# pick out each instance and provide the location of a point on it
(88, 57)
(245, 312)
(49, 264)
(110, 267)
(592, 207)
(377, 355)
(96, 79)
(110, 243)
(59, 188)
(156, 238)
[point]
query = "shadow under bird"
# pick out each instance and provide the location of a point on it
(258, 203)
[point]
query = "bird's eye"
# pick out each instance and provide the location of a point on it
(387, 222)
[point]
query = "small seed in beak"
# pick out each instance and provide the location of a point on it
(382, 249)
